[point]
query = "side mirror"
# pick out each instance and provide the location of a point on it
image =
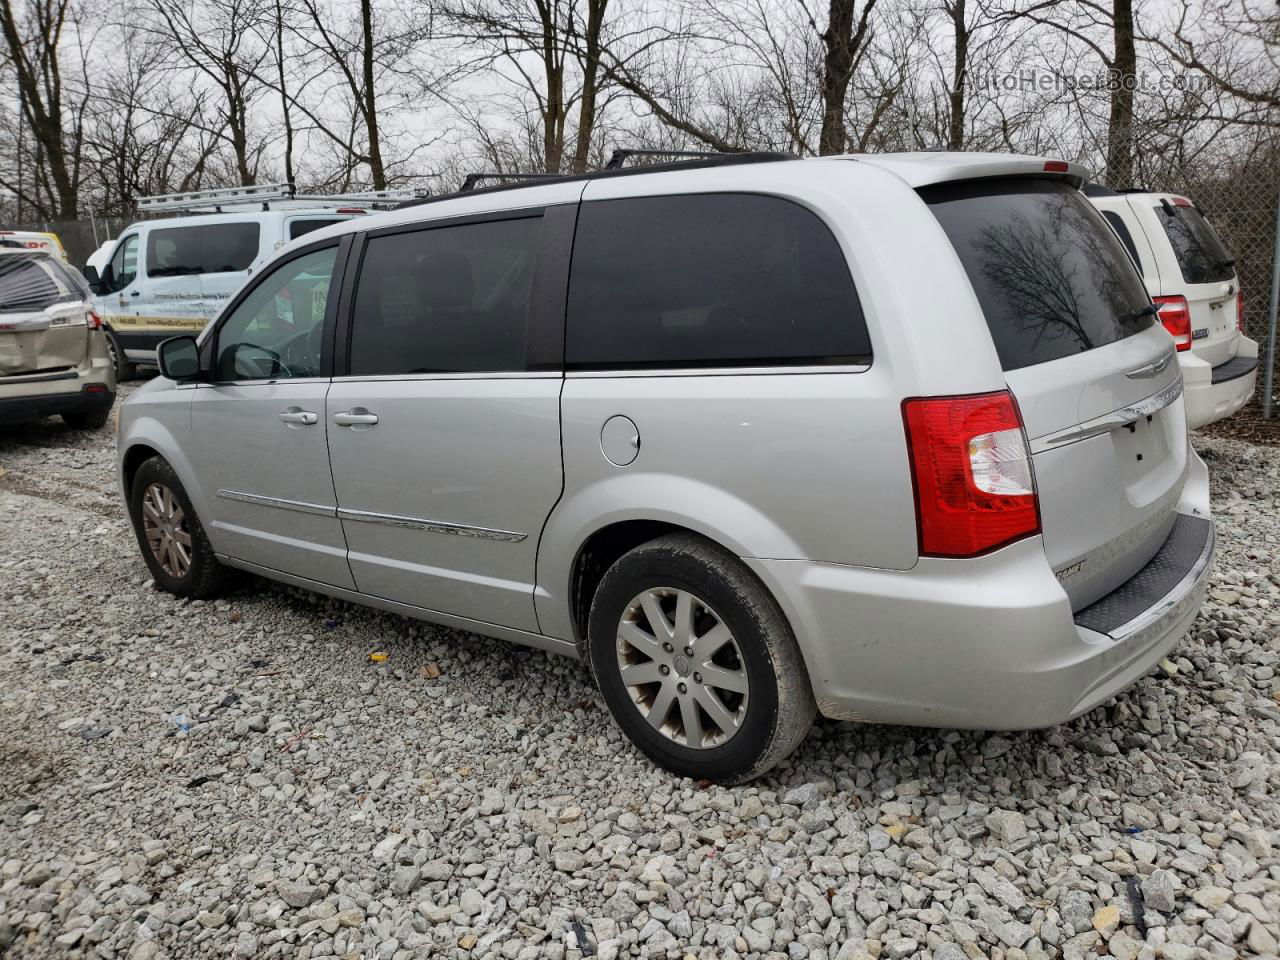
(179, 358)
(106, 280)
(91, 277)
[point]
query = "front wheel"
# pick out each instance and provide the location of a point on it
(170, 535)
(124, 369)
(697, 662)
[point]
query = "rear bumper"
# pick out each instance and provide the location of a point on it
(989, 643)
(1215, 393)
(33, 407)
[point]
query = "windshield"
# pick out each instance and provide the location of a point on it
(1051, 276)
(30, 282)
(1201, 256)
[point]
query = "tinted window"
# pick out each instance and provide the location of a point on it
(124, 263)
(208, 248)
(277, 331)
(1051, 278)
(1201, 256)
(300, 228)
(449, 299)
(719, 279)
(1122, 231)
(32, 283)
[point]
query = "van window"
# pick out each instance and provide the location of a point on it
(445, 300)
(1201, 256)
(31, 283)
(1122, 231)
(277, 331)
(709, 280)
(300, 228)
(207, 248)
(124, 263)
(1051, 278)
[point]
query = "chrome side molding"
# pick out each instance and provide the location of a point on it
(431, 526)
(1110, 421)
(299, 506)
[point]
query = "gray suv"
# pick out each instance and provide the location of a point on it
(892, 439)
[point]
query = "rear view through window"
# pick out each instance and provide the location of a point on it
(715, 279)
(211, 248)
(29, 283)
(1052, 278)
(1201, 256)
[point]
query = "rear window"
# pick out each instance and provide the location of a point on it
(709, 280)
(1053, 280)
(208, 248)
(1201, 256)
(33, 283)
(300, 228)
(1122, 231)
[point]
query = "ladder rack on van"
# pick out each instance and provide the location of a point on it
(272, 196)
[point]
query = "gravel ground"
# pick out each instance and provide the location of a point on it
(240, 779)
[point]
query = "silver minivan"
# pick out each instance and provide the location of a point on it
(892, 439)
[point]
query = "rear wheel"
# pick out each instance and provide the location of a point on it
(697, 662)
(87, 419)
(170, 535)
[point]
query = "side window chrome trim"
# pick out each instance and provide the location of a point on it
(465, 375)
(775, 370)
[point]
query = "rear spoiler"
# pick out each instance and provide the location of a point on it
(925, 169)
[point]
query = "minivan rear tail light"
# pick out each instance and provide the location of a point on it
(971, 473)
(1240, 311)
(1176, 317)
(95, 321)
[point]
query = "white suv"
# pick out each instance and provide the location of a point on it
(1192, 279)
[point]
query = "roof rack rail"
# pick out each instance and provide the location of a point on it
(693, 160)
(621, 156)
(469, 184)
(284, 195)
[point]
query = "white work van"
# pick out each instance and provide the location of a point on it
(173, 275)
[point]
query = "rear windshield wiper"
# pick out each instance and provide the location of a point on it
(1149, 310)
(1228, 262)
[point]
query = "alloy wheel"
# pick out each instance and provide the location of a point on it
(164, 523)
(682, 667)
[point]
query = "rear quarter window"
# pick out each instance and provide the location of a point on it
(32, 283)
(207, 248)
(709, 280)
(1122, 231)
(1200, 254)
(1051, 276)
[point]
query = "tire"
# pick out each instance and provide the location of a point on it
(124, 369)
(88, 419)
(770, 716)
(202, 577)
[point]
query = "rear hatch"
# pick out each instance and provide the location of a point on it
(43, 318)
(1207, 278)
(1094, 375)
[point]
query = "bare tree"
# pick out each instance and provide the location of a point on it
(216, 39)
(36, 39)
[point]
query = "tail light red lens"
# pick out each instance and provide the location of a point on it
(1240, 311)
(95, 321)
(1176, 317)
(971, 471)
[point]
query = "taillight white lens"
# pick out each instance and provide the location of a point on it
(1176, 317)
(1000, 464)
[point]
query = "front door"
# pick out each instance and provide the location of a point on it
(445, 446)
(260, 426)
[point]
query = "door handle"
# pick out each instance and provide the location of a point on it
(355, 418)
(305, 417)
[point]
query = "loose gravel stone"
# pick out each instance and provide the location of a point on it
(262, 789)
